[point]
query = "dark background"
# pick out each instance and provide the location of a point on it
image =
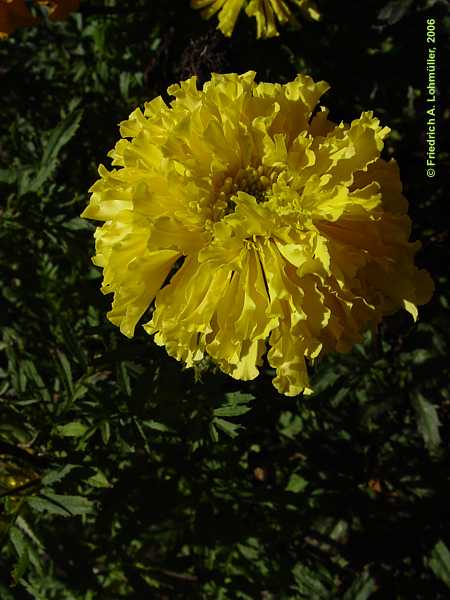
(123, 475)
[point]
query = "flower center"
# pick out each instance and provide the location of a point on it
(256, 182)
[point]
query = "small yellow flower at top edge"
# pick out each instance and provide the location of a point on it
(254, 226)
(266, 13)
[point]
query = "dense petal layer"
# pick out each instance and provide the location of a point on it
(254, 226)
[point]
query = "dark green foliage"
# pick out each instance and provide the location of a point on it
(135, 479)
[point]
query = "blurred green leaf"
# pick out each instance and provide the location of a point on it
(427, 421)
(363, 587)
(73, 429)
(54, 475)
(440, 562)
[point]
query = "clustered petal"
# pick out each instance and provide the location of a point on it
(254, 226)
(266, 13)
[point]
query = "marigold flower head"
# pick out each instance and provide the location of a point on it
(266, 13)
(255, 224)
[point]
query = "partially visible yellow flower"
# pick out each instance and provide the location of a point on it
(256, 225)
(14, 14)
(266, 13)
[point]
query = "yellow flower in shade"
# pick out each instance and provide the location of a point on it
(266, 13)
(14, 14)
(256, 226)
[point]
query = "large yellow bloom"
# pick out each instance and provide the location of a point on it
(254, 225)
(266, 13)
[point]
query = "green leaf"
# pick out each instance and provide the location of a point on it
(427, 421)
(105, 431)
(5, 594)
(58, 504)
(231, 411)
(309, 583)
(20, 544)
(8, 176)
(54, 475)
(73, 429)
(123, 378)
(234, 405)
(231, 429)
(151, 424)
(66, 371)
(77, 224)
(234, 398)
(23, 525)
(362, 588)
(98, 480)
(213, 433)
(296, 483)
(59, 137)
(440, 562)
(71, 343)
(30, 369)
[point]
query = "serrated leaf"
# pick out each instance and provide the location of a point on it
(73, 429)
(234, 398)
(231, 429)
(18, 540)
(427, 421)
(59, 504)
(55, 475)
(20, 567)
(362, 588)
(20, 545)
(234, 405)
(24, 526)
(440, 562)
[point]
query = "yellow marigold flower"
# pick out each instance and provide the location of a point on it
(255, 224)
(266, 12)
(14, 14)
